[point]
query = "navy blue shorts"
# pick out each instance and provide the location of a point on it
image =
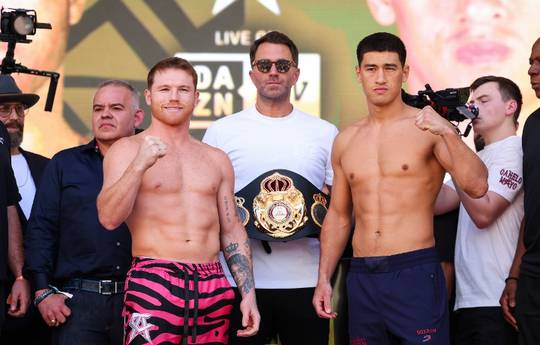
(398, 299)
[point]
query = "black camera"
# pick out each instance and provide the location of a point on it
(16, 24)
(449, 103)
(452, 104)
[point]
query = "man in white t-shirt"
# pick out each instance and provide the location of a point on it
(488, 227)
(277, 150)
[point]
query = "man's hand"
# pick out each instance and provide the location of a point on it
(508, 302)
(19, 298)
(429, 120)
(151, 149)
(250, 316)
(53, 309)
(322, 301)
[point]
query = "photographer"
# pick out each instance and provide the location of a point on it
(488, 227)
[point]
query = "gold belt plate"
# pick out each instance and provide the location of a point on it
(279, 209)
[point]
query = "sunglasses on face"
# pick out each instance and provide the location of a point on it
(265, 65)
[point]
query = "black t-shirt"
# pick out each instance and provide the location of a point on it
(9, 195)
(531, 184)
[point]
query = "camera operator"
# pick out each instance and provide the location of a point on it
(27, 167)
(488, 227)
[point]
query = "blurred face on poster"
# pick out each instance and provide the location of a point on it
(46, 52)
(450, 43)
(48, 47)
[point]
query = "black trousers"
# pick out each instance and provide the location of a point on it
(528, 310)
(27, 330)
(2, 304)
(95, 320)
(287, 313)
(483, 326)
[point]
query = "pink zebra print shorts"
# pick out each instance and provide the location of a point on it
(176, 303)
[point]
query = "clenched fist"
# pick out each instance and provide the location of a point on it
(150, 150)
(429, 120)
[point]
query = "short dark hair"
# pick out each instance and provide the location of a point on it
(508, 89)
(171, 63)
(275, 37)
(381, 42)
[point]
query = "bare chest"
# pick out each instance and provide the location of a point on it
(391, 153)
(181, 173)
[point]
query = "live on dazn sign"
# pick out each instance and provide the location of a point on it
(226, 88)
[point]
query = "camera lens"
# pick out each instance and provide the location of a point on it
(23, 25)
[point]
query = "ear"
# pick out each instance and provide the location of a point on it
(296, 75)
(357, 71)
(138, 117)
(382, 11)
(511, 107)
(76, 8)
(405, 73)
(147, 97)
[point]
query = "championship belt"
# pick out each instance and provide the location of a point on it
(281, 205)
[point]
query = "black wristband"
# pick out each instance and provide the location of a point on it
(511, 278)
(42, 296)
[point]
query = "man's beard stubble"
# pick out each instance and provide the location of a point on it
(15, 137)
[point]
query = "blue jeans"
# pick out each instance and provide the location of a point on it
(95, 320)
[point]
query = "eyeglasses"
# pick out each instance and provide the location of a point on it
(6, 109)
(265, 65)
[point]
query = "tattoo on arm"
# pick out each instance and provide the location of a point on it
(231, 248)
(227, 210)
(231, 209)
(240, 265)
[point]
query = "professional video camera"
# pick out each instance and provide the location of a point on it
(449, 103)
(15, 25)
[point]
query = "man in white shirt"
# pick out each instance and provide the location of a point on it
(488, 227)
(271, 136)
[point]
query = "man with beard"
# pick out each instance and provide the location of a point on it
(27, 167)
(279, 152)
(11, 251)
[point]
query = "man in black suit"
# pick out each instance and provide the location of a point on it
(27, 167)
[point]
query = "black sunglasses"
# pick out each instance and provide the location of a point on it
(265, 65)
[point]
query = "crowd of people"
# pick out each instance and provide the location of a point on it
(154, 237)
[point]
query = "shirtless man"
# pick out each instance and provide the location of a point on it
(388, 169)
(176, 195)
